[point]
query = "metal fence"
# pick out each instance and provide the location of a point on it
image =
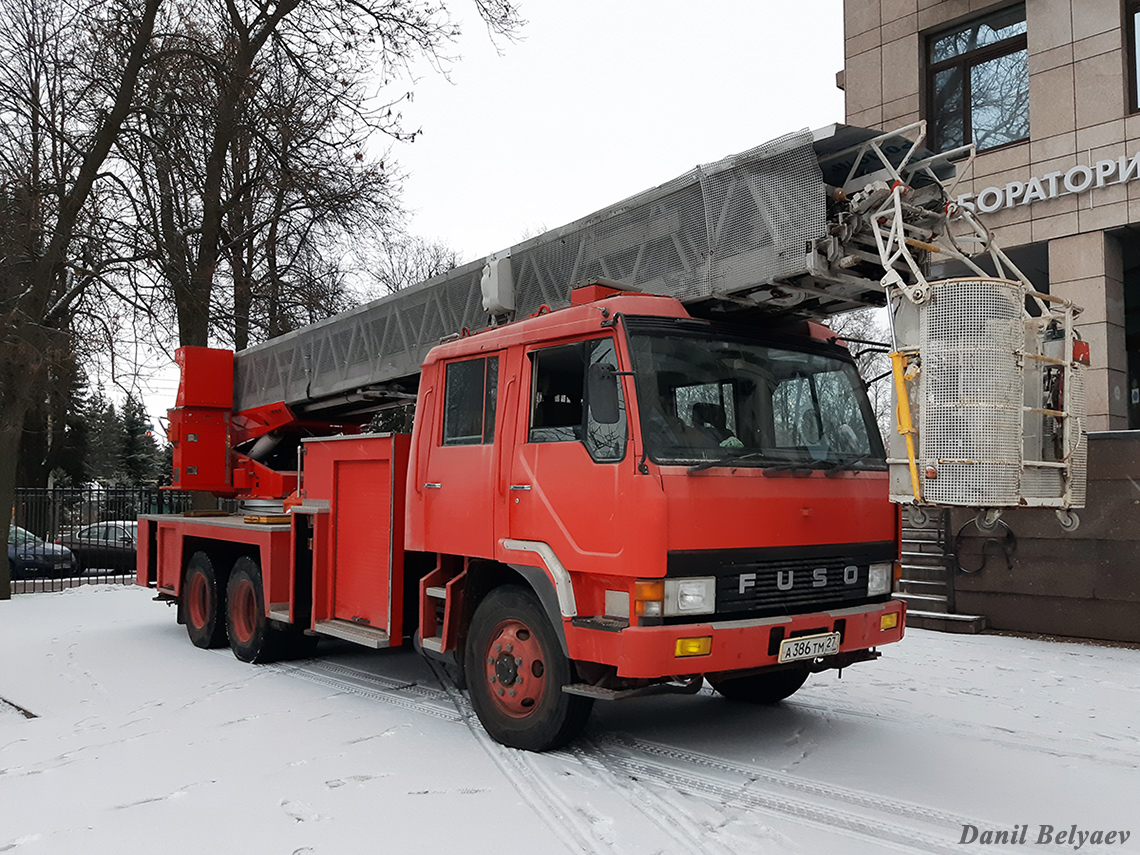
(63, 537)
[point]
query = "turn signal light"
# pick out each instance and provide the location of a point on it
(888, 622)
(700, 646)
(648, 597)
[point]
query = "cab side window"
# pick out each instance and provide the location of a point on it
(470, 393)
(557, 391)
(560, 410)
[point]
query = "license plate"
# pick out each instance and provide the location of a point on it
(808, 647)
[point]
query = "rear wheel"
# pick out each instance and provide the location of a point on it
(253, 638)
(768, 688)
(516, 670)
(202, 603)
(246, 622)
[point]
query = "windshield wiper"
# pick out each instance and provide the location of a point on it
(728, 458)
(851, 463)
(795, 469)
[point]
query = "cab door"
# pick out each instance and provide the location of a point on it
(568, 468)
(459, 478)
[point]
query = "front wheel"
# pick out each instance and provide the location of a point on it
(770, 688)
(516, 670)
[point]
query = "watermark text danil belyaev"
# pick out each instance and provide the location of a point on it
(1044, 835)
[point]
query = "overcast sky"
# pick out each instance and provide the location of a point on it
(596, 101)
(599, 100)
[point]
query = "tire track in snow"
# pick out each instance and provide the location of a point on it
(757, 787)
(636, 749)
(519, 767)
(688, 832)
(410, 696)
(874, 829)
(636, 764)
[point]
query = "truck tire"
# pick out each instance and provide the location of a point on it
(201, 603)
(252, 637)
(515, 671)
(768, 688)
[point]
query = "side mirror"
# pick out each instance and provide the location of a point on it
(602, 393)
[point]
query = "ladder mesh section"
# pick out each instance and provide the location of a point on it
(725, 228)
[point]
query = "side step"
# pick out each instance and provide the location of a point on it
(358, 633)
(279, 612)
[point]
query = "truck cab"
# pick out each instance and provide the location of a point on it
(678, 499)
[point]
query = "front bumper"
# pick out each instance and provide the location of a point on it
(37, 566)
(649, 652)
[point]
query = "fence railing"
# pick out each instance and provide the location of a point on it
(62, 537)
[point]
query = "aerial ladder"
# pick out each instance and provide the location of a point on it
(987, 368)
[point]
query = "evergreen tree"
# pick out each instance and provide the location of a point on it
(105, 432)
(140, 458)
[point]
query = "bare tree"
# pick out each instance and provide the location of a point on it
(67, 78)
(858, 328)
(251, 150)
(407, 260)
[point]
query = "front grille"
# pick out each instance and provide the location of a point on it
(763, 582)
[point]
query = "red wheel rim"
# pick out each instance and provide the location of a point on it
(515, 669)
(198, 600)
(244, 606)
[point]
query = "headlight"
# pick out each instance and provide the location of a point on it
(879, 579)
(692, 596)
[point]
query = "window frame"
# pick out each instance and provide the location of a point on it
(579, 432)
(488, 400)
(1131, 16)
(966, 62)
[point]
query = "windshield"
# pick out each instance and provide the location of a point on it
(707, 400)
(22, 536)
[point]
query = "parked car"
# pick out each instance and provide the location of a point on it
(28, 555)
(103, 546)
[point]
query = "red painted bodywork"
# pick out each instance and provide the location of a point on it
(358, 556)
(166, 542)
(648, 652)
(372, 499)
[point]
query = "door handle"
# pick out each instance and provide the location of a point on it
(434, 486)
(520, 486)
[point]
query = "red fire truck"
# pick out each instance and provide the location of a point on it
(667, 481)
(594, 502)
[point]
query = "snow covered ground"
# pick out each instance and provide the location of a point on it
(142, 743)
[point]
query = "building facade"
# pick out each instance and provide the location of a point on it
(1046, 90)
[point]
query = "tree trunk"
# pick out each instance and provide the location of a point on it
(18, 376)
(11, 426)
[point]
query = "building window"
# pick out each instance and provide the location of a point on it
(978, 82)
(1132, 30)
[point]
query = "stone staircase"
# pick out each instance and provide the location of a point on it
(928, 567)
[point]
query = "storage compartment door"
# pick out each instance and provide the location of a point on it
(362, 542)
